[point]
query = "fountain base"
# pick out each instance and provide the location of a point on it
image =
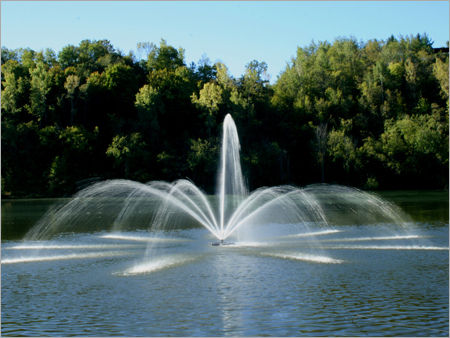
(221, 243)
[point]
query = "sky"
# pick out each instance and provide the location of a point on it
(232, 32)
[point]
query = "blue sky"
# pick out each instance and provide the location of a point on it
(233, 32)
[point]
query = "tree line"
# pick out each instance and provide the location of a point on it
(372, 115)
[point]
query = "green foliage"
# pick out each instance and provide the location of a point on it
(148, 104)
(127, 151)
(73, 154)
(372, 114)
(341, 148)
(39, 87)
(202, 162)
(210, 97)
(164, 57)
(15, 90)
(408, 144)
(400, 81)
(440, 71)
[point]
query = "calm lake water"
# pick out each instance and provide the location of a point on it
(347, 280)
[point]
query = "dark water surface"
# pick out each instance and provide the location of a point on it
(349, 281)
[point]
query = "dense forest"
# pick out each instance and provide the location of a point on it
(372, 115)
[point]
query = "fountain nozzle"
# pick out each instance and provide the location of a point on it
(221, 242)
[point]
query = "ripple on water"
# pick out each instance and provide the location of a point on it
(237, 292)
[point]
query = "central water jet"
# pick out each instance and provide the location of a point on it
(230, 180)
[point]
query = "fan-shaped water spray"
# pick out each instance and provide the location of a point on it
(157, 205)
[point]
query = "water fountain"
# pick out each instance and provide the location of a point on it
(231, 209)
(234, 206)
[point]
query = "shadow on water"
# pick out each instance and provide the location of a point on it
(19, 215)
(429, 206)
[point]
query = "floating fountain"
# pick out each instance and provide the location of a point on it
(121, 204)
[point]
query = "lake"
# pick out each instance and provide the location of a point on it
(339, 280)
